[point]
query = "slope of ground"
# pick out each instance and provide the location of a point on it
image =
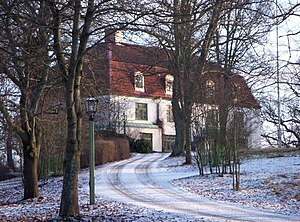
(268, 183)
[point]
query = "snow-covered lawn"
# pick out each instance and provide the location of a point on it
(46, 207)
(269, 183)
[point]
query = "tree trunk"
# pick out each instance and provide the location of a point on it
(31, 157)
(188, 155)
(69, 199)
(223, 115)
(188, 116)
(178, 148)
(30, 138)
(9, 149)
(72, 73)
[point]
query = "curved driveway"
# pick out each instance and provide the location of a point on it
(139, 181)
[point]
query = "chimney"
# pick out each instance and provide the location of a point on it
(113, 36)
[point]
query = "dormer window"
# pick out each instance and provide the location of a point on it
(210, 89)
(169, 84)
(139, 82)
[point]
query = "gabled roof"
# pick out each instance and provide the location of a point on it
(137, 54)
(122, 80)
(242, 92)
(229, 89)
(117, 63)
(113, 66)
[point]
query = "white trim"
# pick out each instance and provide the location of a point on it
(169, 78)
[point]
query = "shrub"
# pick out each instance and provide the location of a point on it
(140, 146)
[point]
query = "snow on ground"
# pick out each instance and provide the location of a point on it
(268, 183)
(46, 207)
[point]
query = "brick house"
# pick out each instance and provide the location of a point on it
(136, 92)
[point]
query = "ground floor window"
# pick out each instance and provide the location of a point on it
(168, 143)
(170, 118)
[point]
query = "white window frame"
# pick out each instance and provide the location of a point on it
(141, 111)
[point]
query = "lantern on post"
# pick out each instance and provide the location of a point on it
(91, 109)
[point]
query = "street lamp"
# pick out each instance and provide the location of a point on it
(91, 106)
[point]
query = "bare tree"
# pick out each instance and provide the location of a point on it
(8, 144)
(193, 32)
(78, 26)
(282, 110)
(71, 71)
(289, 121)
(185, 84)
(185, 29)
(25, 65)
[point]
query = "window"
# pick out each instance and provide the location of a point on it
(239, 120)
(239, 132)
(139, 81)
(141, 112)
(170, 114)
(210, 89)
(168, 143)
(212, 119)
(169, 84)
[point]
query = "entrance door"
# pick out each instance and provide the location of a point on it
(147, 137)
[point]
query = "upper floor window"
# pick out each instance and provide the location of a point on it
(141, 111)
(139, 81)
(169, 84)
(210, 89)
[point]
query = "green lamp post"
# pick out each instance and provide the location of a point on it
(91, 105)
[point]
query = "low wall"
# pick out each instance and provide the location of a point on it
(106, 150)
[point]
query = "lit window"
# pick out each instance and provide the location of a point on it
(170, 114)
(141, 112)
(210, 89)
(169, 84)
(139, 81)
